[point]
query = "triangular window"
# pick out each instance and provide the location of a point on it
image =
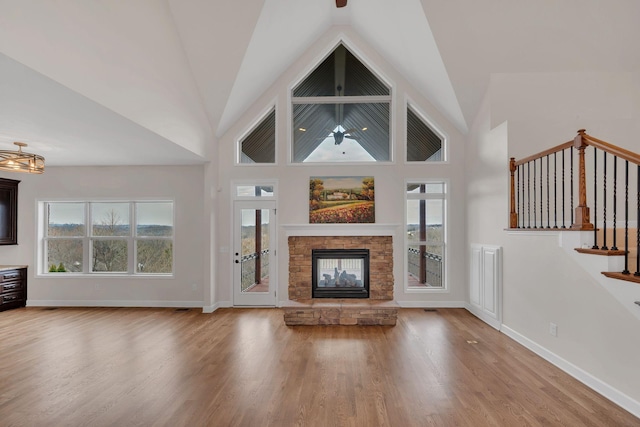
(341, 113)
(423, 143)
(259, 145)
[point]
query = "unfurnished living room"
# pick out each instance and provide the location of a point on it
(319, 213)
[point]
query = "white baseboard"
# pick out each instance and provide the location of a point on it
(431, 304)
(214, 307)
(494, 323)
(112, 303)
(584, 377)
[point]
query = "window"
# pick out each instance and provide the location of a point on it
(425, 234)
(259, 145)
(118, 237)
(254, 191)
(423, 143)
(341, 113)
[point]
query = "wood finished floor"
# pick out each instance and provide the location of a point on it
(244, 367)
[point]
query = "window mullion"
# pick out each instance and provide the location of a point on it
(131, 244)
(372, 99)
(86, 244)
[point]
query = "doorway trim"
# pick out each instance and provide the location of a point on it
(243, 198)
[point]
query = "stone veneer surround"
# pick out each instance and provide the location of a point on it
(378, 309)
(380, 262)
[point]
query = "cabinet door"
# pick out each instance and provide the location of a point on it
(8, 211)
(485, 284)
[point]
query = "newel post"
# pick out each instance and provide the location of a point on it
(581, 221)
(513, 216)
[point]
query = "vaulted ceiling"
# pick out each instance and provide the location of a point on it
(158, 81)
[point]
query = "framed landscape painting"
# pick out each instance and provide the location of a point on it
(341, 199)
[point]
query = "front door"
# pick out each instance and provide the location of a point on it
(254, 273)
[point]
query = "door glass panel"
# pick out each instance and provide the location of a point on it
(425, 266)
(254, 256)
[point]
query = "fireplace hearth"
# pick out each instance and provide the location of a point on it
(340, 273)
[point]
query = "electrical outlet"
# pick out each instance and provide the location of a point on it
(553, 329)
(194, 286)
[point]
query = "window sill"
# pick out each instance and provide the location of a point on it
(103, 276)
(425, 290)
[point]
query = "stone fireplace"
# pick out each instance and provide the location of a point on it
(305, 309)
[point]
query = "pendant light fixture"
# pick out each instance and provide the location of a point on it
(19, 161)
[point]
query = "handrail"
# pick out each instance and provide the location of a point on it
(588, 140)
(544, 153)
(610, 148)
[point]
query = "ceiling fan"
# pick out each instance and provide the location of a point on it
(341, 3)
(338, 136)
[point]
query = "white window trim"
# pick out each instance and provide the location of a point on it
(237, 154)
(407, 244)
(341, 38)
(409, 103)
(42, 269)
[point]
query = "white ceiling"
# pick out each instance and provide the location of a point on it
(106, 82)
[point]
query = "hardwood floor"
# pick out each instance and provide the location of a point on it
(244, 367)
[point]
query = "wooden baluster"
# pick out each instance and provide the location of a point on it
(581, 221)
(513, 217)
(571, 186)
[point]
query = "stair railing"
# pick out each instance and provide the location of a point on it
(542, 190)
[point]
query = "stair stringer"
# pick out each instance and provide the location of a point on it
(626, 293)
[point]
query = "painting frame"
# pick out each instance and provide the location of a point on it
(342, 199)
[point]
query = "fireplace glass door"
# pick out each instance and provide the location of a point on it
(340, 273)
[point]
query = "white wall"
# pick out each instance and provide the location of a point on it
(184, 184)
(389, 178)
(597, 338)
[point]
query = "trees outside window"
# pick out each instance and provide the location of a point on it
(124, 237)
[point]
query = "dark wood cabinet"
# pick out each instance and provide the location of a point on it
(8, 211)
(13, 288)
